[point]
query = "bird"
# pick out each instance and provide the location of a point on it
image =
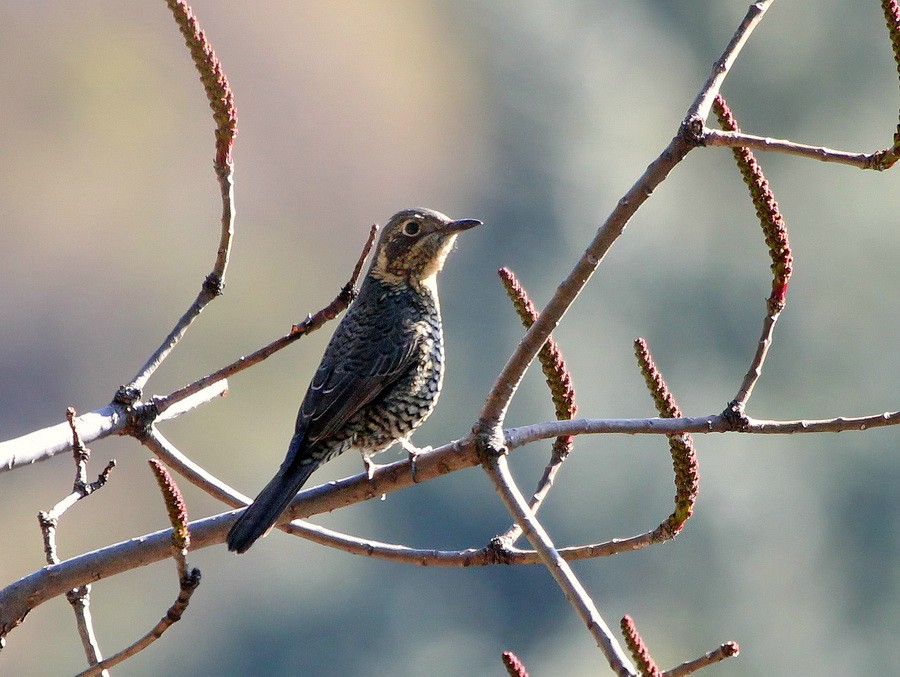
(381, 373)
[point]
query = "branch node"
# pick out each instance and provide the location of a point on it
(490, 445)
(735, 416)
(127, 395)
(214, 284)
(498, 550)
(691, 130)
(141, 419)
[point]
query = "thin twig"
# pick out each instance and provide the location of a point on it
(78, 596)
(112, 419)
(173, 615)
(703, 102)
(754, 372)
(187, 580)
(309, 325)
(727, 650)
(559, 381)
(221, 101)
(714, 137)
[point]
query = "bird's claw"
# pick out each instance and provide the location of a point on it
(371, 467)
(413, 452)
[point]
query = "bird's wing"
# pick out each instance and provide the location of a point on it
(344, 385)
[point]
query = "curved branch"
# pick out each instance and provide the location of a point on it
(221, 100)
(493, 412)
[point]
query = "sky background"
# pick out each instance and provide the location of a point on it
(535, 116)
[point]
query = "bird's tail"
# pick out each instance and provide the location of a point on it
(257, 519)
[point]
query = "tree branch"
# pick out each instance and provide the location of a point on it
(729, 139)
(79, 596)
(498, 470)
(221, 101)
(116, 417)
(21, 596)
(112, 419)
(493, 412)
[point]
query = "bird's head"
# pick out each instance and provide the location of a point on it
(414, 244)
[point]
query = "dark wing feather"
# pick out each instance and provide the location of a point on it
(355, 373)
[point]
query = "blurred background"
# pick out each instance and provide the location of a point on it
(534, 116)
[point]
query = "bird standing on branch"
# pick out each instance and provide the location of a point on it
(381, 373)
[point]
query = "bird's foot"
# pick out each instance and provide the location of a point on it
(413, 452)
(371, 466)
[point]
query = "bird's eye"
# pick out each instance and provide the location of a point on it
(411, 228)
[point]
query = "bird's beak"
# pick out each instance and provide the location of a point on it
(461, 225)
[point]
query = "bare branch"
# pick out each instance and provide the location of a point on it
(309, 325)
(78, 596)
(21, 596)
(365, 547)
(702, 104)
(109, 420)
(713, 423)
(498, 470)
(493, 412)
(714, 137)
(187, 580)
(56, 439)
(727, 650)
(221, 100)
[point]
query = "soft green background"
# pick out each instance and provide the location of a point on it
(535, 116)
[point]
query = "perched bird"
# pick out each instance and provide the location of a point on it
(381, 373)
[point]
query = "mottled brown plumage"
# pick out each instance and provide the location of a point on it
(381, 373)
